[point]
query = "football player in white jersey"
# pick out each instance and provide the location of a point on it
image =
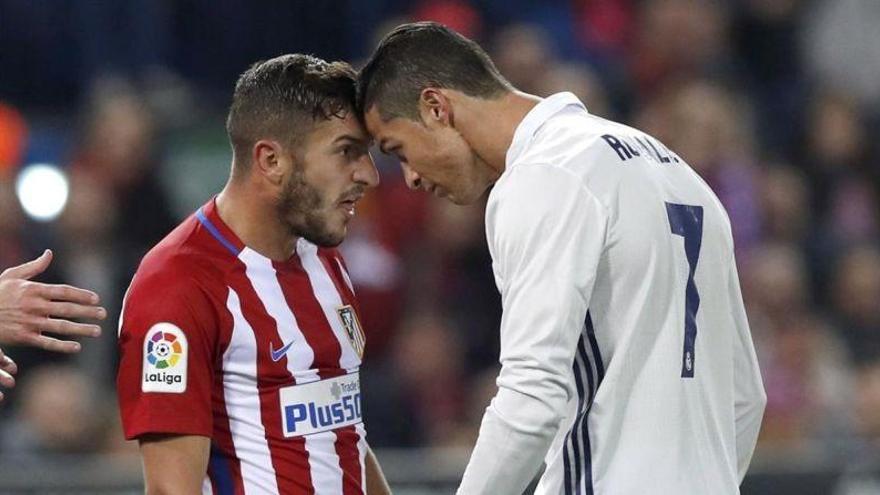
(627, 361)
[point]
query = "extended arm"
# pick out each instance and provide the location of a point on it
(29, 308)
(546, 233)
(750, 398)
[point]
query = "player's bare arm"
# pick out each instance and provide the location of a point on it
(174, 464)
(376, 483)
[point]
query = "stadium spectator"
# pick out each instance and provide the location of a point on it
(56, 415)
(856, 289)
(697, 49)
(523, 52)
(578, 79)
(708, 126)
(841, 46)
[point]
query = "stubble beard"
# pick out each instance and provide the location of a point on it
(300, 207)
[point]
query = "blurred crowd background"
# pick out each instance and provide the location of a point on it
(776, 103)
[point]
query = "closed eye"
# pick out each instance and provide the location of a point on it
(395, 152)
(353, 152)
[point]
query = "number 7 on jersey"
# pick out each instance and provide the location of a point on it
(687, 221)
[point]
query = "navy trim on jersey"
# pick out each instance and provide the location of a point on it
(216, 233)
(572, 473)
(587, 367)
(222, 477)
(591, 334)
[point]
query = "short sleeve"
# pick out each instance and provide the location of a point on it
(167, 336)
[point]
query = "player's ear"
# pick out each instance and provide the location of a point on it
(435, 107)
(268, 160)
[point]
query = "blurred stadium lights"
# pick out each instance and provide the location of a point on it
(42, 190)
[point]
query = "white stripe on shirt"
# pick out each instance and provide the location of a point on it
(330, 301)
(243, 404)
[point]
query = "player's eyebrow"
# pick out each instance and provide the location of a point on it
(384, 149)
(352, 138)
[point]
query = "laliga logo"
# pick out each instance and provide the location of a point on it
(163, 352)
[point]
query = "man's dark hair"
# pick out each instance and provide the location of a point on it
(283, 97)
(419, 55)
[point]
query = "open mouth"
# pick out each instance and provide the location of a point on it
(347, 205)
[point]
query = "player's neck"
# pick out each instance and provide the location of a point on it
(254, 222)
(491, 142)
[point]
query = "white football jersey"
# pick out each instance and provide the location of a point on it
(627, 361)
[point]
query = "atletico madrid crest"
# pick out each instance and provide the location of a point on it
(352, 327)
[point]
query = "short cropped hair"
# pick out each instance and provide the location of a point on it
(282, 98)
(424, 54)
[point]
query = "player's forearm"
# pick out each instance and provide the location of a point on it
(750, 398)
(174, 465)
(509, 452)
(376, 483)
(169, 487)
(749, 413)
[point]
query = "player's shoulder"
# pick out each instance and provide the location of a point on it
(565, 145)
(183, 261)
(571, 140)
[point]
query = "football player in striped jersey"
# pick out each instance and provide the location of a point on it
(240, 343)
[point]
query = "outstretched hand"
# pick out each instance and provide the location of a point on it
(27, 309)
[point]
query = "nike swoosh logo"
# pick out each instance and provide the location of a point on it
(277, 355)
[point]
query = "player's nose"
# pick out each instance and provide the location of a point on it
(365, 171)
(413, 180)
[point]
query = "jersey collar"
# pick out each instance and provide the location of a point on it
(533, 120)
(210, 219)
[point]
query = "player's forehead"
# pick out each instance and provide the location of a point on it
(375, 123)
(389, 132)
(337, 129)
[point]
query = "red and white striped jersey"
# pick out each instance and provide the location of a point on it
(261, 356)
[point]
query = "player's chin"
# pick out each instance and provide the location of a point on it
(334, 234)
(337, 237)
(471, 195)
(462, 199)
(457, 200)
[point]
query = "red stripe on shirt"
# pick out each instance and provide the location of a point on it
(331, 262)
(222, 435)
(290, 459)
(319, 334)
(348, 438)
(300, 296)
